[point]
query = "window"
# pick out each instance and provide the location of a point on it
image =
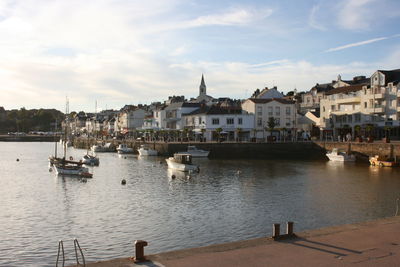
(278, 122)
(193, 119)
(323, 109)
(287, 121)
(199, 120)
(215, 121)
(230, 121)
(259, 122)
(259, 111)
(287, 110)
(357, 117)
(270, 111)
(333, 108)
(365, 104)
(277, 111)
(240, 121)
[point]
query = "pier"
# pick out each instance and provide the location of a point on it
(373, 243)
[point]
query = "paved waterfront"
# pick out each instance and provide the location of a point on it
(375, 243)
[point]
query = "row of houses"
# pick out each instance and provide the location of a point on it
(360, 106)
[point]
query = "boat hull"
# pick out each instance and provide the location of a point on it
(172, 164)
(70, 170)
(147, 152)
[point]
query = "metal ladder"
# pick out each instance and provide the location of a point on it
(76, 247)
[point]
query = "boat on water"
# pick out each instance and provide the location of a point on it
(124, 149)
(182, 162)
(336, 155)
(197, 153)
(68, 168)
(144, 150)
(90, 160)
(108, 147)
(382, 161)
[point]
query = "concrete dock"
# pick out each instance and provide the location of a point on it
(374, 243)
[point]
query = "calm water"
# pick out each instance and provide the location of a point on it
(218, 205)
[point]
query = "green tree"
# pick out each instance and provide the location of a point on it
(218, 131)
(271, 123)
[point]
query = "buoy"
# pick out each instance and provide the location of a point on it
(84, 180)
(123, 182)
(50, 169)
(71, 158)
(17, 159)
(124, 157)
(173, 176)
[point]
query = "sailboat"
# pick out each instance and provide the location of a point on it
(88, 159)
(68, 167)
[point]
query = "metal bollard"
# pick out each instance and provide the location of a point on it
(139, 250)
(276, 230)
(289, 228)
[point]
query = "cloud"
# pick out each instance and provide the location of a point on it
(237, 16)
(313, 21)
(357, 14)
(370, 41)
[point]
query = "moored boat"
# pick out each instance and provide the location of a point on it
(144, 150)
(382, 162)
(197, 153)
(108, 147)
(336, 155)
(182, 162)
(90, 160)
(124, 149)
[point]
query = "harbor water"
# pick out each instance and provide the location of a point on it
(229, 200)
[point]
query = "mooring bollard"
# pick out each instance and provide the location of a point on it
(139, 250)
(289, 228)
(276, 230)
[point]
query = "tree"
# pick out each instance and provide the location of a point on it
(271, 124)
(218, 131)
(238, 132)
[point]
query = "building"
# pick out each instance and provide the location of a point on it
(172, 114)
(283, 111)
(129, 119)
(267, 93)
(367, 107)
(203, 97)
(216, 123)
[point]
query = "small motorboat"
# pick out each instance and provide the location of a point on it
(144, 150)
(197, 153)
(124, 149)
(336, 155)
(108, 147)
(182, 162)
(382, 161)
(90, 160)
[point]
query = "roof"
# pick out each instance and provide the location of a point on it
(214, 110)
(391, 76)
(267, 100)
(177, 105)
(323, 87)
(345, 89)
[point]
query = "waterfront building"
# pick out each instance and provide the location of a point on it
(283, 111)
(203, 97)
(219, 122)
(129, 119)
(173, 114)
(267, 93)
(367, 107)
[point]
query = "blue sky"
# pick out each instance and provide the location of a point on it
(120, 52)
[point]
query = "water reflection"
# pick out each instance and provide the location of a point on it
(228, 200)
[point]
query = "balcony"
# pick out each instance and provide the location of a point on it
(376, 109)
(353, 99)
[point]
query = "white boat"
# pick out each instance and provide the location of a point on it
(67, 169)
(124, 149)
(144, 150)
(336, 155)
(197, 153)
(182, 162)
(108, 147)
(90, 160)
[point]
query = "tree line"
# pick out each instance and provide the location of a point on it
(24, 120)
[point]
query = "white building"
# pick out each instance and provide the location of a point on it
(130, 119)
(282, 110)
(362, 108)
(170, 117)
(233, 124)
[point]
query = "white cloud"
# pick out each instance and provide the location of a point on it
(356, 44)
(358, 14)
(313, 20)
(238, 16)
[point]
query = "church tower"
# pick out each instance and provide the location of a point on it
(203, 88)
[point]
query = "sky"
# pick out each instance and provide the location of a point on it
(117, 52)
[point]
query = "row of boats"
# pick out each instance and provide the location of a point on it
(336, 155)
(181, 161)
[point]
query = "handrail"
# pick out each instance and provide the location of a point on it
(76, 245)
(60, 247)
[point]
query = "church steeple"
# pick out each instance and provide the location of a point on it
(202, 87)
